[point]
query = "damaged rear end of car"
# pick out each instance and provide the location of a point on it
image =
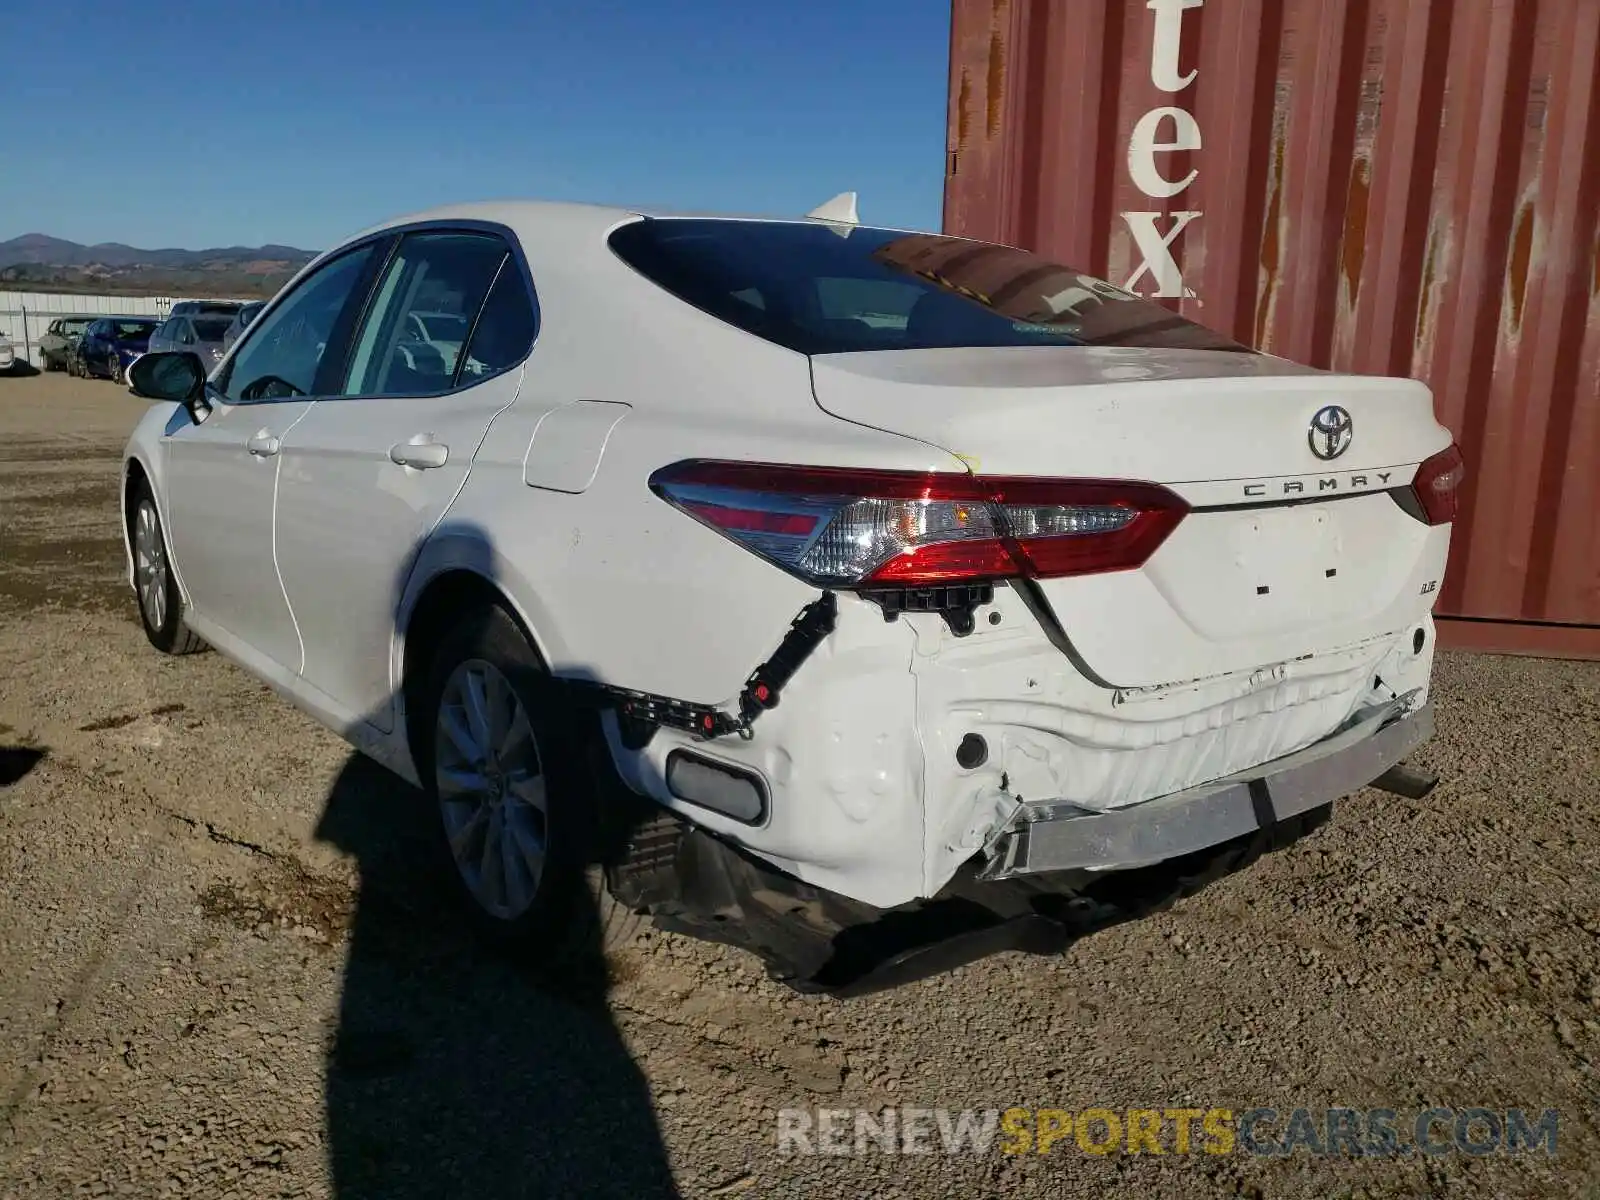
(1170, 601)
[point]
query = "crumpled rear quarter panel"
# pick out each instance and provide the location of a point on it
(841, 760)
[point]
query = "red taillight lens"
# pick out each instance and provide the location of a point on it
(1437, 485)
(842, 527)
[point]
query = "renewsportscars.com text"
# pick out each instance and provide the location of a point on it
(1263, 1132)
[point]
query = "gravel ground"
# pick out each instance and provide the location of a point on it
(222, 973)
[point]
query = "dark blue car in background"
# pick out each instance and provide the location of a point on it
(111, 343)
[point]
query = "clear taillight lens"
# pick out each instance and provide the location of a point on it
(1437, 485)
(838, 527)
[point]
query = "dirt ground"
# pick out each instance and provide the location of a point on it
(223, 972)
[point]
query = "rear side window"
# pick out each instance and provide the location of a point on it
(504, 332)
(822, 289)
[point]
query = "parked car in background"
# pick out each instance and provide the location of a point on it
(110, 344)
(74, 353)
(60, 340)
(200, 334)
(441, 330)
(965, 611)
(8, 354)
(205, 308)
(241, 322)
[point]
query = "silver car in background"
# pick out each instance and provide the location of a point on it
(198, 333)
(241, 320)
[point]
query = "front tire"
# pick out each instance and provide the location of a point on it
(114, 368)
(518, 816)
(155, 588)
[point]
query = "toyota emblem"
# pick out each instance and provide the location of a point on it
(1331, 431)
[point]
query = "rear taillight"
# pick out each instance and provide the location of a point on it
(1438, 484)
(841, 527)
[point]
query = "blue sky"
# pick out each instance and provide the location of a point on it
(302, 121)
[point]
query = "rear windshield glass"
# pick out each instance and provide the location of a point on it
(135, 329)
(819, 289)
(211, 329)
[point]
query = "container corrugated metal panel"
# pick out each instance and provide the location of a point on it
(1406, 187)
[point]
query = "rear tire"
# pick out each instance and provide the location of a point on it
(517, 814)
(155, 589)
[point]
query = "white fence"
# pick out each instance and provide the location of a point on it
(24, 316)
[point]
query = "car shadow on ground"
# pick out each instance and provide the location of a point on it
(17, 761)
(457, 1070)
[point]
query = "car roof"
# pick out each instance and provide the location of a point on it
(554, 234)
(570, 216)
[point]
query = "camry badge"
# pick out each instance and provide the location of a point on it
(1331, 431)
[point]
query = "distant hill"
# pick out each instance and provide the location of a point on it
(39, 262)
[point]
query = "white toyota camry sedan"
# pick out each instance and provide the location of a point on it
(873, 600)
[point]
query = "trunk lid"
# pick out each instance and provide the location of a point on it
(1283, 554)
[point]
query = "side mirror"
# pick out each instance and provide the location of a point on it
(177, 376)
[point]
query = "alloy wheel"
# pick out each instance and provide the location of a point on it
(150, 564)
(491, 787)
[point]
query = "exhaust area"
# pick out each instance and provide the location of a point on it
(1401, 780)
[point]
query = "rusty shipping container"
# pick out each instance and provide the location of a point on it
(1405, 187)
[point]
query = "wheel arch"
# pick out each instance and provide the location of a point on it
(437, 597)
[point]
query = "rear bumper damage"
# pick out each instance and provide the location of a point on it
(902, 751)
(1047, 879)
(1065, 836)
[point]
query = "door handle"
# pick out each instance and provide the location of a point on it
(421, 455)
(263, 445)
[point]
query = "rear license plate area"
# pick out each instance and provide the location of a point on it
(1283, 551)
